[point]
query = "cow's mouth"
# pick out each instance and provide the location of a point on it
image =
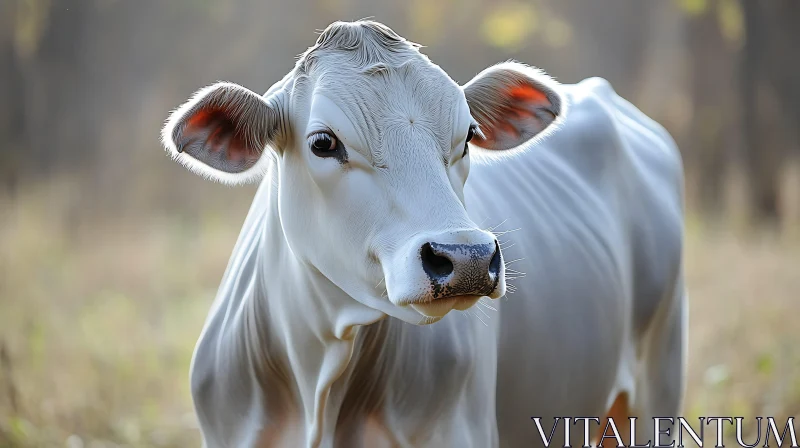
(440, 307)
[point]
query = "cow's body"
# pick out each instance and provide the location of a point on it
(599, 312)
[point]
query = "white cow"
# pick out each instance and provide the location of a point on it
(365, 212)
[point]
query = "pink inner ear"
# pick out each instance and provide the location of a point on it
(518, 111)
(212, 137)
(199, 119)
(528, 93)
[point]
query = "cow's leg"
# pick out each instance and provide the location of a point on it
(618, 413)
(660, 387)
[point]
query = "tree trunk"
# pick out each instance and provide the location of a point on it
(762, 172)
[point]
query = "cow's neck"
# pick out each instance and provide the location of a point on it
(309, 318)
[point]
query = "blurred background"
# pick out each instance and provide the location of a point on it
(110, 254)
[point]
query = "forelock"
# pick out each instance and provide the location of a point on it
(364, 45)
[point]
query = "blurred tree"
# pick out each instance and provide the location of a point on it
(770, 98)
(713, 126)
(86, 83)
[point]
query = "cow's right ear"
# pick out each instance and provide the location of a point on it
(222, 131)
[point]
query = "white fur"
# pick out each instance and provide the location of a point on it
(298, 347)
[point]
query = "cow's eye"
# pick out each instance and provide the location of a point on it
(323, 144)
(470, 134)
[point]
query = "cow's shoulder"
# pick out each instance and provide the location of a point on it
(591, 140)
(637, 142)
(606, 138)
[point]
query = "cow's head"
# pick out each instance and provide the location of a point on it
(372, 146)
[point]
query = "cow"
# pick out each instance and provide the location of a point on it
(364, 303)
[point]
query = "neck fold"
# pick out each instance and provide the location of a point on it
(307, 318)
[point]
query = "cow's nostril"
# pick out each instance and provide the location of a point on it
(494, 264)
(435, 265)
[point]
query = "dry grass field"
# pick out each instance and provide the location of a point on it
(98, 320)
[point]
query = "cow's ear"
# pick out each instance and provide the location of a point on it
(222, 132)
(512, 104)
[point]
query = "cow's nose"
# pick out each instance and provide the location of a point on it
(461, 269)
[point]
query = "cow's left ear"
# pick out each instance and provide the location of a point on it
(512, 103)
(222, 132)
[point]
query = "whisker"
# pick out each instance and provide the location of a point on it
(479, 318)
(507, 231)
(468, 313)
(514, 261)
(491, 229)
(481, 302)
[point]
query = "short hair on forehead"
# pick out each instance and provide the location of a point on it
(364, 44)
(376, 62)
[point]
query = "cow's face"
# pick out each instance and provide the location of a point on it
(372, 158)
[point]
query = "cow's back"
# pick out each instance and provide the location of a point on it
(598, 208)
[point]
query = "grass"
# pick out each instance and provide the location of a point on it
(99, 316)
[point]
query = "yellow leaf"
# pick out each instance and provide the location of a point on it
(731, 21)
(693, 7)
(509, 25)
